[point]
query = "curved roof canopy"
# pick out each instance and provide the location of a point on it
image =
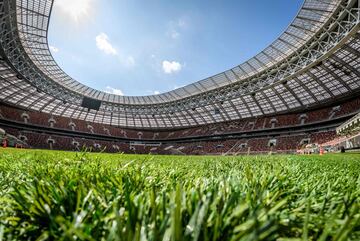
(315, 60)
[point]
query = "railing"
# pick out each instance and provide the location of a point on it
(348, 143)
(349, 126)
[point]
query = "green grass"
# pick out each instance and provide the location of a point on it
(47, 195)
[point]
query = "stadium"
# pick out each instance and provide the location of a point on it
(251, 153)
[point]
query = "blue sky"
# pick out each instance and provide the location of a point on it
(144, 47)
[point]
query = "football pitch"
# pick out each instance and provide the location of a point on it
(53, 195)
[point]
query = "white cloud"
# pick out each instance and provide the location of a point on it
(76, 10)
(178, 87)
(53, 49)
(175, 27)
(103, 43)
(153, 92)
(114, 91)
(182, 23)
(127, 61)
(174, 34)
(171, 67)
(130, 61)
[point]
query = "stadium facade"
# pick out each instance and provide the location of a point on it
(312, 69)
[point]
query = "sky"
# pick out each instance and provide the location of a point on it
(146, 47)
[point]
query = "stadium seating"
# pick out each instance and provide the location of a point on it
(252, 145)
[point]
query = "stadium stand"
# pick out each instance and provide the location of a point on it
(277, 142)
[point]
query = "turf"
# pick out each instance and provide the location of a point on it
(46, 195)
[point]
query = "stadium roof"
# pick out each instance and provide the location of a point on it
(314, 61)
